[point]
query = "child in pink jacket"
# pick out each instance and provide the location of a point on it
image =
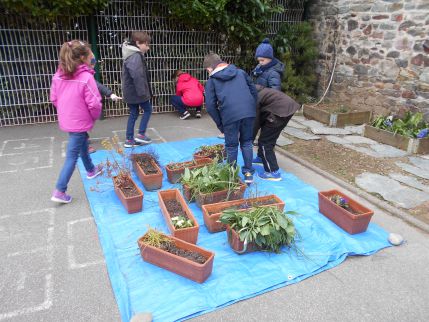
(189, 93)
(75, 95)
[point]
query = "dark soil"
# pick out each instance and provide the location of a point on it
(146, 162)
(248, 205)
(127, 186)
(180, 165)
(174, 208)
(193, 256)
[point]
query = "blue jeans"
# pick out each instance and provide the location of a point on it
(134, 114)
(178, 104)
(241, 130)
(77, 146)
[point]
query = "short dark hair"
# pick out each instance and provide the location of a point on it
(177, 73)
(140, 36)
(211, 60)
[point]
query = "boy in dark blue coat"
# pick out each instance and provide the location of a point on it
(231, 102)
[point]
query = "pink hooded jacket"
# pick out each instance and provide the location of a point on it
(77, 99)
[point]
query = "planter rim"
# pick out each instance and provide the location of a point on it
(142, 244)
(153, 163)
(122, 193)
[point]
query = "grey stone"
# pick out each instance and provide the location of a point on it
(396, 193)
(385, 26)
(366, 18)
(389, 35)
(352, 25)
(377, 7)
(356, 139)
(336, 139)
(351, 50)
(424, 76)
(361, 69)
(363, 150)
(361, 7)
(413, 170)
(356, 129)
(312, 123)
(300, 134)
(346, 70)
(393, 54)
(329, 131)
(389, 69)
(424, 6)
(406, 24)
(401, 63)
(298, 118)
(420, 162)
(395, 239)
(409, 181)
(388, 151)
(283, 141)
(296, 125)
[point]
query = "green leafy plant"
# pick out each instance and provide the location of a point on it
(296, 48)
(268, 227)
(156, 239)
(212, 177)
(411, 125)
(180, 222)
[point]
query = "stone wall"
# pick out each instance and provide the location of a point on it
(382, 49)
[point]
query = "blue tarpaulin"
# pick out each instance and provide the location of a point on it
(142, 287)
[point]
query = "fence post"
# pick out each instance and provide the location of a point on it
(93, 32)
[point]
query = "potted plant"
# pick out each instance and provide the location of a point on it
(179, 218)
(336, 115)
(119, 170)
(213, 183)
(146, 166)
(260, 228)
(176, 255)
(344, 211)
(410, 133)
(216, 151)
(175, 170)
(212, 212)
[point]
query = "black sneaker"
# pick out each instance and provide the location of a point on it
(185, 115)
(248, 178)
(198, 115)
(131, 143)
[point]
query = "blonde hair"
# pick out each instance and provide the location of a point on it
(70, 55)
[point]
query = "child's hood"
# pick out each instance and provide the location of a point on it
(128, 50)
(225, 74)
(80, 69)
(185, 77)
(279, 67)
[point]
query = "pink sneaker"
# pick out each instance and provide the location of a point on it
(61, 197)
(98, 169)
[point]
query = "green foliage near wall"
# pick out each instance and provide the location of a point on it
(295, 47)
(51, 9)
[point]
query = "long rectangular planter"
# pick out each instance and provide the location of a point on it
(237, 245)
(174, 175)
(411, 145)
(222, 195)
(197, 155)
(150, 181)
(189, 234)
(176, 264)
(351, 223)
(336, 119)
(212, 212)
(132, 204)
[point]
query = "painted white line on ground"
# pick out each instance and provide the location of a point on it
(159, 135)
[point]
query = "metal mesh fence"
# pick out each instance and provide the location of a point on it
(29, 55)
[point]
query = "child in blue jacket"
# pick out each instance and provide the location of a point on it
(269, 71)
(231, 102)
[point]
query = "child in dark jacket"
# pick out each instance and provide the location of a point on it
(189, 93)
(136, 87)
(273, 112)
(269, 71)
(231, 102)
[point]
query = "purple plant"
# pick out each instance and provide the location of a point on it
(423, 133)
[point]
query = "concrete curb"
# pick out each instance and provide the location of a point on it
(377, 202)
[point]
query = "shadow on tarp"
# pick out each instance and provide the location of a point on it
(142, 287)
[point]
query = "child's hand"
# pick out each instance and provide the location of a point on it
(115, 98)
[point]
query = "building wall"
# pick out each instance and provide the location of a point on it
(382, 49)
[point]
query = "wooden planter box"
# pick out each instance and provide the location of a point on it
(237, 245)
(176, 264)
(132, 204)
(336, 119)
(212, 221)
(351, 223)
(175, 175)
(411, 145)
(150, 181)
(222, 195)
(189, 234)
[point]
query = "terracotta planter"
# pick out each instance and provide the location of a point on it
(176, 264)
(212, 212)
(237, 245)
(150, 181)
(175, 175)
(351, 223)
(132, 204)
(411, 145)
(189, 234)
(222, 195)
(336, 119)
(199, 156)
(187, 192)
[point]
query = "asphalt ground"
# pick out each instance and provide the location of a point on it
(53, 269)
